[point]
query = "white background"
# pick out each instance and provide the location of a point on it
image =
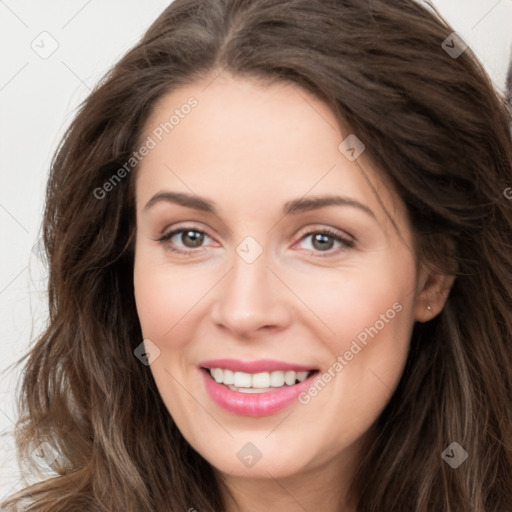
(38, 98)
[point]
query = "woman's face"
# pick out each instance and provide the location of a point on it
(288, 264)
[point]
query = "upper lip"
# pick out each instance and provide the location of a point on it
(261, 365)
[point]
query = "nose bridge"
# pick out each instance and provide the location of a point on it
(249, 297)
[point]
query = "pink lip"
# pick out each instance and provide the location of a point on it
(262, 365)
(254, 404)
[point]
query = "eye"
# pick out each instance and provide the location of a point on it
(191, 238)
(324, 240)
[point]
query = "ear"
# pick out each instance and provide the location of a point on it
(434, 289)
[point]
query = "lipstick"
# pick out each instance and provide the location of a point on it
(255, 388)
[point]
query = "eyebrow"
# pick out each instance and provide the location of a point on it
(182, 199)
(290, 207)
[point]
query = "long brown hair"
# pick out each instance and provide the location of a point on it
(430, 120)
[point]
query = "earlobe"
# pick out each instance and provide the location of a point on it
(433, 295)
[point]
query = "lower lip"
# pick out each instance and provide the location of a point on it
(254, 404)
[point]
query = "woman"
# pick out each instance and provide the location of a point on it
(280, 271)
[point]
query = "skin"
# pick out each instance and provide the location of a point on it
(250, 147)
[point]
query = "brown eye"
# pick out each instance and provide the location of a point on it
(327, 241)
(195, 237)
(179, 240)
(322, 242)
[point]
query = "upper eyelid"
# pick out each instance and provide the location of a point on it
(178, 226)
(333, 232)
(174, 231)
(306, 231)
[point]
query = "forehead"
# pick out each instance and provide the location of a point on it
(252, 143)
(237, 120)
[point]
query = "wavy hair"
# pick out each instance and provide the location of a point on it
(431, 122)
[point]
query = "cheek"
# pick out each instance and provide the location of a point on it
(361, 302)
(371, 313)
(166, 297)
(165, 300)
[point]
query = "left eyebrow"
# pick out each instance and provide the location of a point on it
(314, 203)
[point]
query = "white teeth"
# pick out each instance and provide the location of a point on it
(258, 382)
(242, 380)
(289, 378)
(218, 375)
(250, 390)
(261, 380)
(302, 376)
(277, 379)
(229, 377)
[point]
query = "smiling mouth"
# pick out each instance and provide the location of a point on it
(261, 382)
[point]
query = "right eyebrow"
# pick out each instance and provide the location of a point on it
(182, 199)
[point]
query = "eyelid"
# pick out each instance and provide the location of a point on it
(347, 241)
(165, 236)
(326, 229)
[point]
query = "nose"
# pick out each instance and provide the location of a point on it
(251, 299)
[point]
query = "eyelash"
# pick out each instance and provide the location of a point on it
(345, 241)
